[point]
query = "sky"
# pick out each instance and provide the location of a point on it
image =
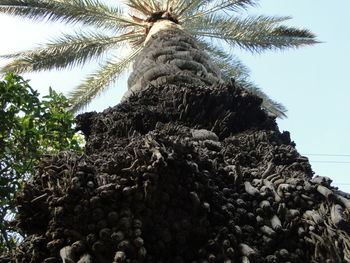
(312, 82)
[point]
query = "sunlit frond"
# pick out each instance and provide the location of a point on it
(140, 7)
(210, 21)
(66, 51)
(274, 108)
(230, 66)
(97, 82)
(90, 12)
(284, 31)
(202, 8)
(202, 23)
(183, 7)
(254, 33)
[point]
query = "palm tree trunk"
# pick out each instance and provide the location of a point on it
(182, 174)
(202, 175)
(171, 56)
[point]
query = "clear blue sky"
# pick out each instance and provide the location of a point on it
(312, 82)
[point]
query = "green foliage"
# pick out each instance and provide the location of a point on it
(253, 33)
(124, 31)
(29, 128)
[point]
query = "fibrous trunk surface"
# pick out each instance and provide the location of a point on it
(182, 173)
(171, 56)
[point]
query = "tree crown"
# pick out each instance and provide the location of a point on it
(114, 29)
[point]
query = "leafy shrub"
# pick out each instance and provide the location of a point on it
(29, 128)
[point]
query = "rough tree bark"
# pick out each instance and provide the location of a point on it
(171, 56)
(181, 172)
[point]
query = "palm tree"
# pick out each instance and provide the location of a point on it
(164, 40)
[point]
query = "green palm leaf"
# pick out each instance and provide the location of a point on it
(88, 12)
(66, 51)
(200, 8)
(130, 28)
(254, 34)
(274, 108)
(97, 82)
(232, 67)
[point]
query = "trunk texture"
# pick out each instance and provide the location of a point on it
(171, 56)
(181, 172)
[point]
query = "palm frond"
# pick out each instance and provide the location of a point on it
(183, 7)
(274, 108)
(66, 51)
(212, 20)
(230, 66)
(168, 4)
(97, 82)
(210, 6)
(293, 32)
(90, 12)
(140, 7)
(155, 5)
(254, 33)
(199, 17)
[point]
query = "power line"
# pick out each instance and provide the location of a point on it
(327, 162)
(326, 154)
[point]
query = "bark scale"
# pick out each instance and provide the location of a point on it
(171, 55)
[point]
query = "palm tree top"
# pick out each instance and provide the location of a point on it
(111, 29)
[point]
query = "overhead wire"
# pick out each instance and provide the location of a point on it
(329, 161)
(326, 154)
(318, 161)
